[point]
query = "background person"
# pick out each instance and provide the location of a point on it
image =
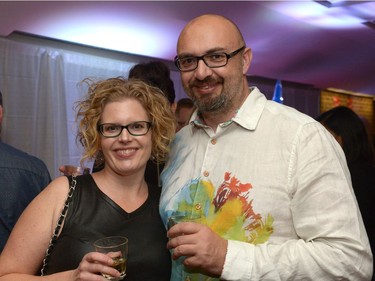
(157, 74)
(128, 121)
(271, 184)
(22, 177)
(184, 110)
(350, 132)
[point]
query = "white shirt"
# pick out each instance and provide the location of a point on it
(302, 221)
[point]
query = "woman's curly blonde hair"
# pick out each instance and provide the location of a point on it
(102, 92)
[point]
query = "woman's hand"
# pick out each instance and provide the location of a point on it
(92, 265)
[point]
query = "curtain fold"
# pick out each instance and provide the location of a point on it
(40, 86)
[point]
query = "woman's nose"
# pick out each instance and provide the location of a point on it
(125, 135)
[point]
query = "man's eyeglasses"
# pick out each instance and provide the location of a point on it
(212, 60)
(110, 130)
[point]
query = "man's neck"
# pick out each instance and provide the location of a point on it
(214, 119)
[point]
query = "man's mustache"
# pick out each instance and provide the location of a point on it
(208, 80)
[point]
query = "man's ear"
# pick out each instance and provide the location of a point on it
(247, 57)
(1, 114)
(173, 107)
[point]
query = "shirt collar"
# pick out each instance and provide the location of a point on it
(247, 116)
(250, 112)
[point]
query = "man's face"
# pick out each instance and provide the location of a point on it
(183, 116)
(212, 89)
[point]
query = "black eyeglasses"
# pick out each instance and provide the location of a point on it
(212, 60)
(110, 130)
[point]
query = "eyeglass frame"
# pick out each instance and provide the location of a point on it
(198, 58)
(100, 128)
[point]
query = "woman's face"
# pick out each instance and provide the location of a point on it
(126, 154)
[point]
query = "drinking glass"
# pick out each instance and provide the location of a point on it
(183, 217)
(115, 247)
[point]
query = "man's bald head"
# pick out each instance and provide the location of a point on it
(210, 25)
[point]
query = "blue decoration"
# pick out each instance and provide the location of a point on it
(278, 92)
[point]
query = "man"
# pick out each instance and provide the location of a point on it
(157, 74)
(184, 109)
(22, 177)
(270, 183)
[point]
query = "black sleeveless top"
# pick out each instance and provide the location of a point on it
(92, 215)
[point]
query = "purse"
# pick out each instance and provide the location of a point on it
(52, 242)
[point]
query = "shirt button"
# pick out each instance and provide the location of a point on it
(206, 174)
(213, 141)
(198, 206)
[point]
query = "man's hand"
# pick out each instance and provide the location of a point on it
(202, 248)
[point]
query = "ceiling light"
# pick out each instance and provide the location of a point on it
(337, 3)
(370, 23)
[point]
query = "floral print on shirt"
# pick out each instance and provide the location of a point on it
(227, 210)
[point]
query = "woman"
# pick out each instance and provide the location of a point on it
(350, 132)
(128, 122)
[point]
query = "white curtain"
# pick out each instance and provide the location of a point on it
(40, 86)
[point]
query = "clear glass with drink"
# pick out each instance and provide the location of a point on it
(115, 247)
(183, 217)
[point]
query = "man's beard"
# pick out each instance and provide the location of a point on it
(217, 104)
(214, 104)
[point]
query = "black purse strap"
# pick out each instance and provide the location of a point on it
(52, 242)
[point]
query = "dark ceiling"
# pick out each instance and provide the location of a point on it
(327, 44)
